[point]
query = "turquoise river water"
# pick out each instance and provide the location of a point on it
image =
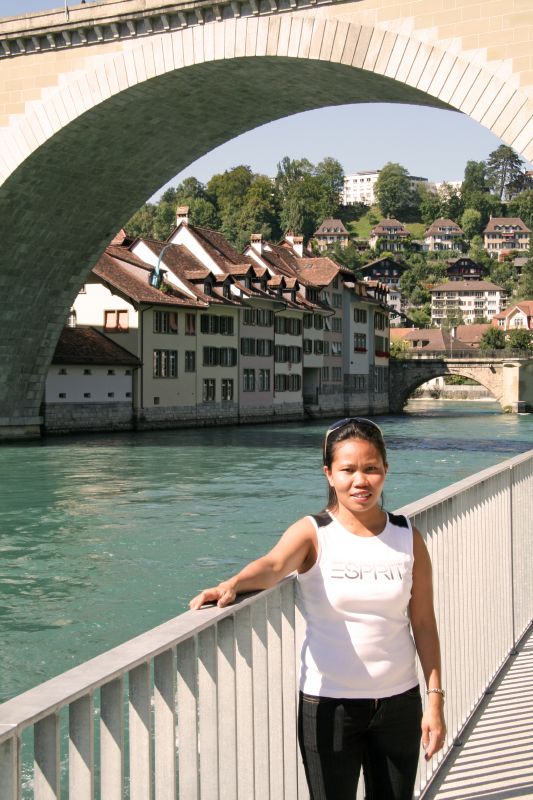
(103, 537)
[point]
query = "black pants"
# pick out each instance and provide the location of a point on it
(337, 737)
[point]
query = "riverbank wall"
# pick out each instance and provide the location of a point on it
(454, 393)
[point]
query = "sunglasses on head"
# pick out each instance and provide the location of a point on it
(361, 422)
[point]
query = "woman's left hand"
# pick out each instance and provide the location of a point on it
(433, 729)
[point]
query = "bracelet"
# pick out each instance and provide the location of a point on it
(437, 691)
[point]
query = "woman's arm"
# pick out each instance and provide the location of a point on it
(295, 551)
(426, 638)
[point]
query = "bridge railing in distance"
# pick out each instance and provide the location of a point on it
(203, 707)
(473, 354)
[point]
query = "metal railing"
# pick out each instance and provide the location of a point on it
(204, 706)
(474, 354)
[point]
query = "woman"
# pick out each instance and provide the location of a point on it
(365, 580)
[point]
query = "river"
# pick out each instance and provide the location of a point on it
(103, 537)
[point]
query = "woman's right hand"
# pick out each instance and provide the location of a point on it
(222, 595)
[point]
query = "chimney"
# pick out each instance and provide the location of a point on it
(182, 215)
(256, 240)
(296, 242)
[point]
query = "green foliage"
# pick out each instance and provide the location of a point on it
(421, 316)
(492, 339)
(398, 347)
(520, 339)
(430, 205)
(525, 281)
(471, 222)
(503, 170)
(474, 181)
(459, 380)
(504, 273)
(487, 204)
(522, 206)
(349, 256)
(395, 196)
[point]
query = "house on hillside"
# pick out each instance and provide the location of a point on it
(443, 234)
(389, 235)
(518, 316)
(466, 301)
(504, 234)
(464, 269)
(330, 233)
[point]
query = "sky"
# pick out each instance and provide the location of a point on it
(429, 142)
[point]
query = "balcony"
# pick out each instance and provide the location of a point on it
(203, 707)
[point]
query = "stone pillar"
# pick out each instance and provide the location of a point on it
(16, 428)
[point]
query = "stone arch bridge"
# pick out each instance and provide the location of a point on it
(102, 103)
(508, 378)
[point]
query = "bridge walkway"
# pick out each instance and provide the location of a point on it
(495, 761)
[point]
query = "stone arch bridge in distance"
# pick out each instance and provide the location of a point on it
(103, 103)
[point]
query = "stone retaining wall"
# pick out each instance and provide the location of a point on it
(81, 417)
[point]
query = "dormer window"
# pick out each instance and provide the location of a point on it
(248, 282)
(226, 290)
(208, 288)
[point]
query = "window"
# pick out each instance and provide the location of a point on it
(87, 394)
(210, 356)
(62, 371)
(248, 347)
(359, 315)
(359, 342)
(264, 380)
(111, 394)
(110, 371)
(248, 382)
(308, 346)
(127, 372)
(227, 356)
(288, 325)
(264, 317)
(280, 383)
(62, 396)
(248, 316)
(227, 390)
(325, 373)
(318, 322)
(208, 288)
(294, 383)
(87, 371)
(211, 323)
(156, 401)
(209, 390)
(190, 361)
(71, 321)
(308, 321)
(336, 324)
(337, 300)
(264, 347)
(165, 322)
(319, 347)
(336, 348)
(116, 320)
(165, 363)
(336, 374)
(128, 394)
(190, 324)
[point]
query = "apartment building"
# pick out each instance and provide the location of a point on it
(220, 337)
(504, 234)
(479, 300)
(330, 233)
(360, 187)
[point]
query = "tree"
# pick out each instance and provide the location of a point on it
(307, 204)
(430, 205)
(519, 339)
(487, 204)
(522, 206)
(421, 316)
(471, 222)
(525, 281)
(492, 339)
(452, 205)
(474, 181)
(142, 222)
(398, 348)
(331, 173)
(504, 168)
(395, 196)
(291, 171)
(259, 212)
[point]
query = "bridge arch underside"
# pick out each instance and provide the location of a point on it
(63, 204)
(405, 381)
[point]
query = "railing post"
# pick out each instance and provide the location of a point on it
(112, 739)
(511, 543)
(9, 768)
(81, 749)
(46, 758)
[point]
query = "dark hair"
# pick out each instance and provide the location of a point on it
(360, 429)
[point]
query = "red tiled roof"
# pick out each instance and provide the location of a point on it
(330, 226)
(442, 222)
(471, 286)
(502, 221)
(130, 276)
(87, 346)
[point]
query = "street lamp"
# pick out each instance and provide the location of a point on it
(155, 276)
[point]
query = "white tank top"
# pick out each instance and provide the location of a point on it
(358, 642)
